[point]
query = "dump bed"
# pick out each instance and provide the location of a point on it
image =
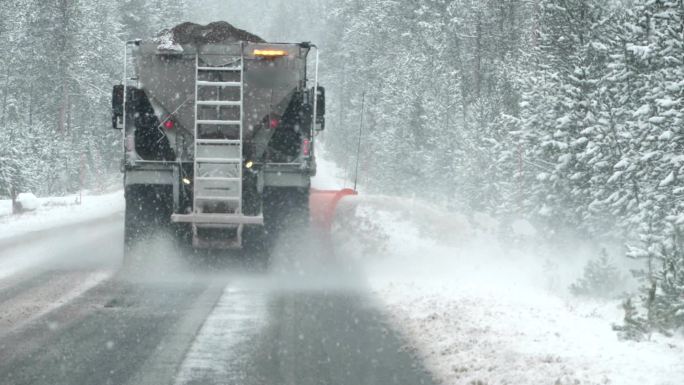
(169, 65)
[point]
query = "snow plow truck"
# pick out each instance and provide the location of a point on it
(218, 133)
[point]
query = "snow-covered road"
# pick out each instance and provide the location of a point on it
(68, 315)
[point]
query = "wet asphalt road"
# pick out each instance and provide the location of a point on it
(73, 318)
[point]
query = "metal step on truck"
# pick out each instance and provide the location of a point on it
(219, 131)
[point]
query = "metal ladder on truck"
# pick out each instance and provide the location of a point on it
(217, 218)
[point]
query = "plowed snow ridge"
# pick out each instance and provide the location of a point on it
(58, 211)
(480, 310)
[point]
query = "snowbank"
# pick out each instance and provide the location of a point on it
(58, 211)
(481, 311)
(27, 202)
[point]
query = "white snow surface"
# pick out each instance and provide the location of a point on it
(28, 201)
(58, 211)
(328, 175)
(480, 310)
(167, 43)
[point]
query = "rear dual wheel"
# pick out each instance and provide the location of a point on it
(149, 209)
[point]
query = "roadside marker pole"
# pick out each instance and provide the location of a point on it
(358, 147)
(81, 179)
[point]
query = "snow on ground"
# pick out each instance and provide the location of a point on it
(58, 211)
(27, 202)
(480, 311)
(328, 175)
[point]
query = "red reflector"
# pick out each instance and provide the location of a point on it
(306, 147)
(169, 124)
(274, 123)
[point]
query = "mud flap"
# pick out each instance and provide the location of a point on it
(148, 209)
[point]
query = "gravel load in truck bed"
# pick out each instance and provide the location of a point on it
(214, 33)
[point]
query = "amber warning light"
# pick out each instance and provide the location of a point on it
(270, 52)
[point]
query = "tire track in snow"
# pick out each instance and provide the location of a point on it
(51, 294)
(213, 357)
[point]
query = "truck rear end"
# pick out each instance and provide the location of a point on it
(218, 135)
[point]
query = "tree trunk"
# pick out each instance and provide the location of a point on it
(5, 93)
(15, 205)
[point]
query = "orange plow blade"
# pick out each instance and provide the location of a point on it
(322, 207)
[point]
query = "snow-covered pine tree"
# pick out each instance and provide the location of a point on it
(658, 140)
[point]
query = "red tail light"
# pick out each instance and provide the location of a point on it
(306, 147)
(274, 123)
(169, 124)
